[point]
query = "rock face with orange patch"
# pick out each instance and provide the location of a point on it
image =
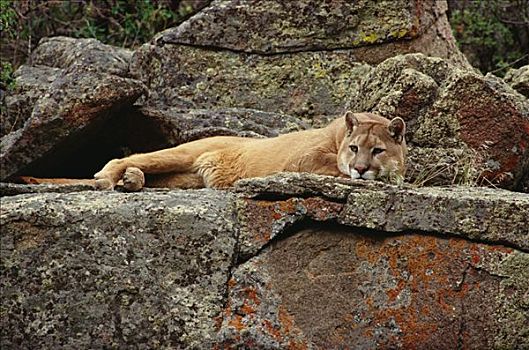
(491, 215)
(291, 261)
(345, 288)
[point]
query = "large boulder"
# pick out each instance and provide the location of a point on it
(47, 62)
(290, 260)
(76, 103)
(61, 102)
(373, 30)
(276, 56)
(51, 58)
(102, 270)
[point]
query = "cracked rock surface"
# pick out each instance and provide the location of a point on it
(293, 260)
(101, 270)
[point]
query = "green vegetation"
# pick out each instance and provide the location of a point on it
(493, 34)
(7, 81)
(124, 23)
(128, 23)
(7, 24)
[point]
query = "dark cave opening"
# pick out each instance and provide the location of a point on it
(126, 131)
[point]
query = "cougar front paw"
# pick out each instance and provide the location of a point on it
(103, 181)
(104, 184)
(133, 179)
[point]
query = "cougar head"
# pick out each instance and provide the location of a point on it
(373, 147)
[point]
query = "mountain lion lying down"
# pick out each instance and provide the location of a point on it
(357, 145)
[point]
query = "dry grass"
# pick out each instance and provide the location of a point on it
(444, 167)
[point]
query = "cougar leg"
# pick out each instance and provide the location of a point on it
(175, 180)
(159, 162)
(219, 169)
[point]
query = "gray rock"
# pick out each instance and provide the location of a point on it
(101, 270)
(518, 79)
(306, 85)
(11, 189)
(490, 215)
(179, 126)
(53, 58)
(30, 84)
(89, 54)
(75, 104)
(377, 30)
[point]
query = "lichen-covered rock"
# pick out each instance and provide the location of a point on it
(89, 54)
(30, 84)
(484, 214)
(114, 270)
(75, 104)
(52, 58)
(377, 29)
(518, 79)
(331, 287)
(304, 85)
(268, 266)
(184, 125)
(312, 72)
(447, 108)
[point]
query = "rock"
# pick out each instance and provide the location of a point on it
(265, 267)
(483, 214)
(75, 105)
(229, 56)
(447, 108)
(181, 126)
(373, 30)
(52, 58)
(30, 84)
(11, 189)
(307, 85)
(94, 269)
(518, 79)
(332, 287)
(90, 54)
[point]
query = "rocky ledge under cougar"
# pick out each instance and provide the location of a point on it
(293, 260)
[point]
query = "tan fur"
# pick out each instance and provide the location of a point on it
(220, 161)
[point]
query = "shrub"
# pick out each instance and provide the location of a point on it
(493, 34)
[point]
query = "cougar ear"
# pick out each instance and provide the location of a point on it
(397, 129)
(350, 120)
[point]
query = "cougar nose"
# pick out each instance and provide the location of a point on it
(361, 168)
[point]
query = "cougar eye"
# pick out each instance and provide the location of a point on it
(377, 150)
(353, 148)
